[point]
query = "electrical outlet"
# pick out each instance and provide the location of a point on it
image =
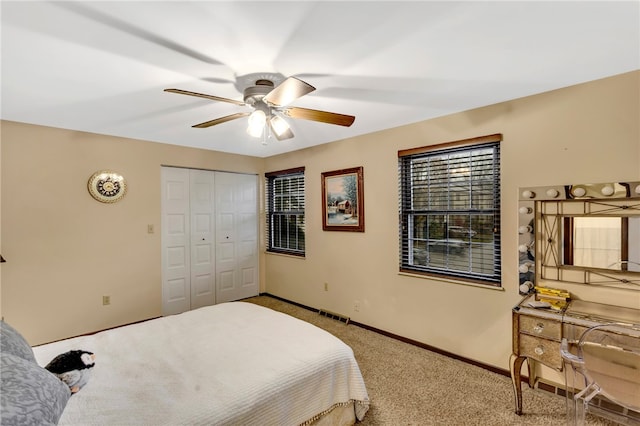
(356, 306)
(106, 300)
(326, 286)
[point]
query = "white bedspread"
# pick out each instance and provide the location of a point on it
(234, 363)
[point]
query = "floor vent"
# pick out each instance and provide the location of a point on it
(334, 316)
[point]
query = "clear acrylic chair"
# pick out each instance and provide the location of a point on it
(604, 364)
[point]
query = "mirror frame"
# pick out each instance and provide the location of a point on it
(541, 213)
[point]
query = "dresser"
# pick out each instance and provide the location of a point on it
(537, 334)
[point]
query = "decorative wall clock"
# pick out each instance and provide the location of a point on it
(107, 186)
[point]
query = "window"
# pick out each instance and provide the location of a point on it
(450, 210)
(285, 211)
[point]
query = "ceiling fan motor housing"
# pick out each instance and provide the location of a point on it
(254, 94)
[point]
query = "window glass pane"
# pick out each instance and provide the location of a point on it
(420, 253)
(420, 197)
(276, 233)
(482, 195)
(483, 259)
(436, 228)
(438, 198)
(460, 198)
(420, 227)
(482, 226)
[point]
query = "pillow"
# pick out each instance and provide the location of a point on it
(30, 394)
(12, 342)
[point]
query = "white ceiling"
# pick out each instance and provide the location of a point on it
(101, 67)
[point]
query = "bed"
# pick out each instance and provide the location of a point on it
(234, 363)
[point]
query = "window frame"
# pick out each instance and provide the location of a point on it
(410, 215)
(272, 211)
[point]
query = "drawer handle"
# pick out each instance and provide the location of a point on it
(539, 350)
(538, 328)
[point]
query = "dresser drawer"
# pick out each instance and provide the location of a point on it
(543, 350)
(542, 327)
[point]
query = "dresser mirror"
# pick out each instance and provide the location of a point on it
(586, 234)
(602, 242)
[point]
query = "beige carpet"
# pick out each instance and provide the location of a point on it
(409, 385)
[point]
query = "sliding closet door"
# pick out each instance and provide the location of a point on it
(175, 226)
(236, 236)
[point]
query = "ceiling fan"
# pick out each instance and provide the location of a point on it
(270, 103)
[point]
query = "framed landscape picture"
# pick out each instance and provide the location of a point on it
(343, 200)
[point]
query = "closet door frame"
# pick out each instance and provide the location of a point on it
(228, 229)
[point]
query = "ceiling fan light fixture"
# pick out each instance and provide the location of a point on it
(257, 120)
(279, 125)
(269, 102)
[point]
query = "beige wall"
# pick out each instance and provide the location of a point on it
(582, 134)
(66, 250)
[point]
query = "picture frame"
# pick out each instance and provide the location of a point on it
(343, 200)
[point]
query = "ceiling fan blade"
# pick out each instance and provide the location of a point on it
(322, 116)
(202, 95)
(287, 134)
(288, 91)
(221, 120)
